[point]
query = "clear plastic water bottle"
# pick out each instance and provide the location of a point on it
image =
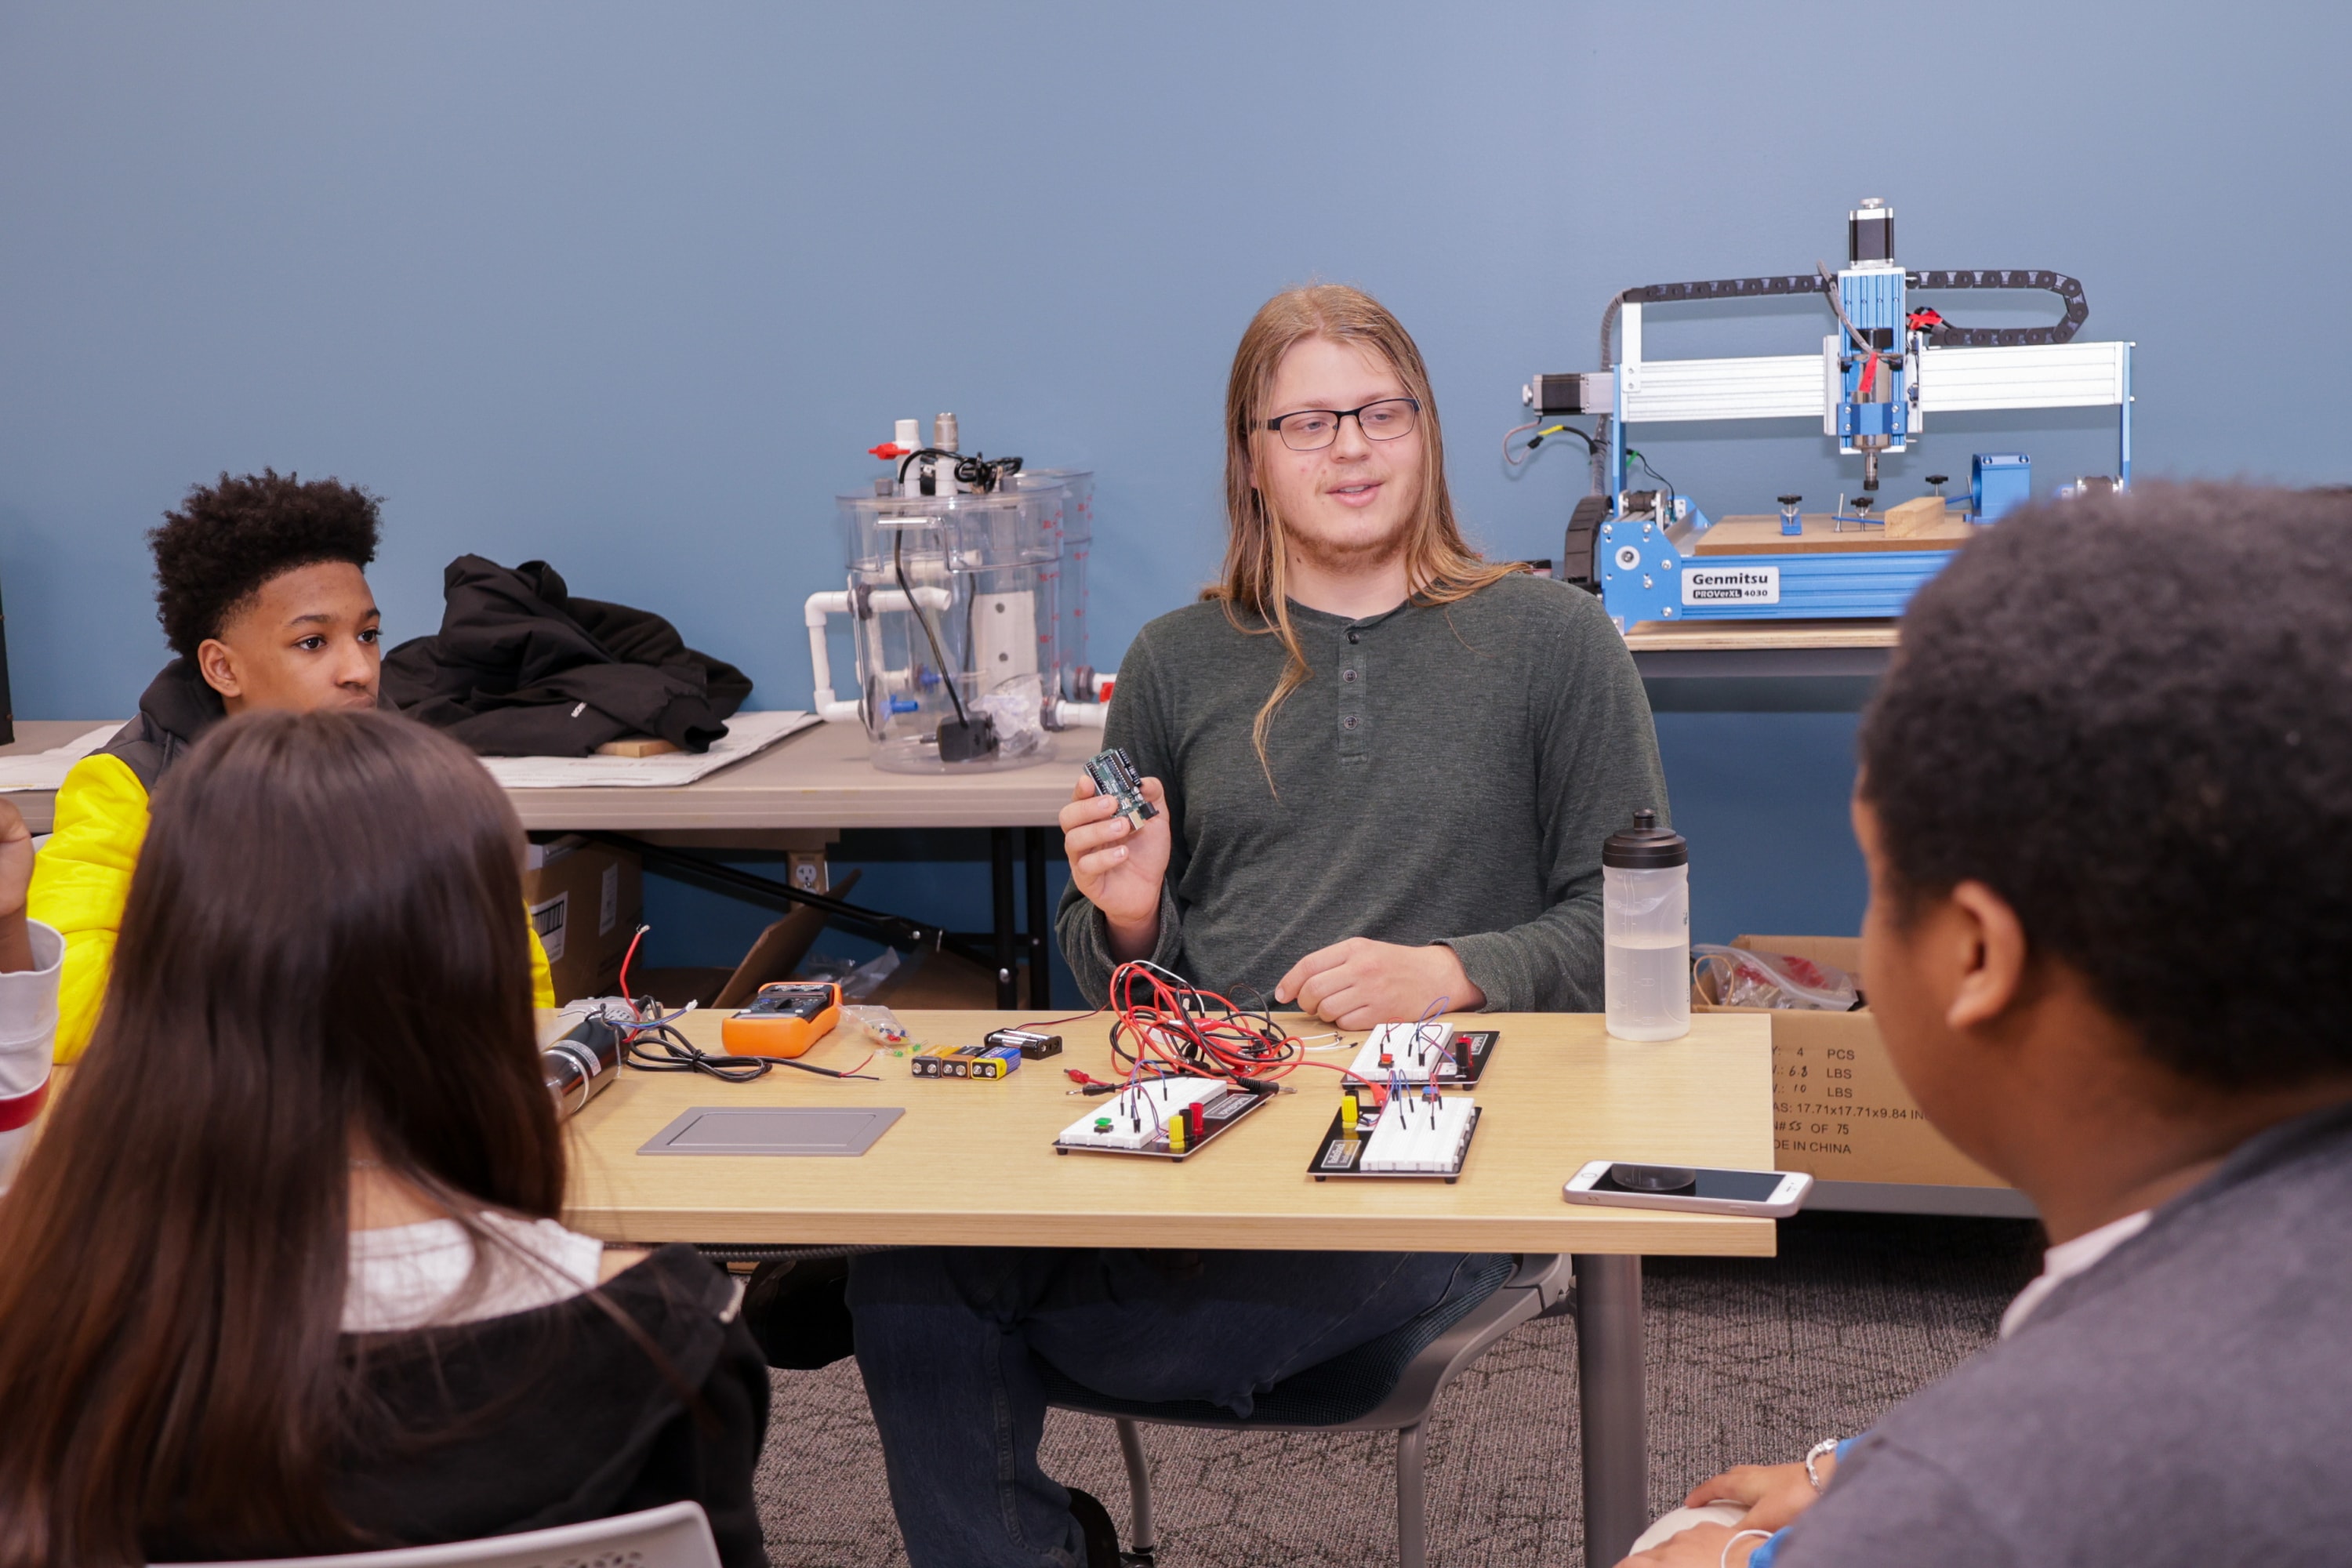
(1646, 926)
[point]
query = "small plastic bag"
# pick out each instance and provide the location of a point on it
(1735, 978)
(879, 1025)
(1017, 707)
(868, 978)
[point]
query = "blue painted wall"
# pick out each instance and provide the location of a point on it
(630, 286)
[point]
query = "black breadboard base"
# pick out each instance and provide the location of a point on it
(1342, 1146)
(1482, 1051)
(1220, 1118)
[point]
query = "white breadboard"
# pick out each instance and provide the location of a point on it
(1137, 1115)
(1413, 1047)
(1419, 1136)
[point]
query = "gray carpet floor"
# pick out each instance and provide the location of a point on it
(1750, 1360)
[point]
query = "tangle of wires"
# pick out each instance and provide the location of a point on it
(1165, 1023)
(1165, 1027)
(1665, 484)
(1538, 438)
(652, 1042)
(979, 469)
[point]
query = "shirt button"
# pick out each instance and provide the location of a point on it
(1348, 674)
(1351, 634)
(1347, 723)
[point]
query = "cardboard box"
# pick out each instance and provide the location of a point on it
(586, 901)
(1842, 1115)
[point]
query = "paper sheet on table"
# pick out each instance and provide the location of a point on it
(47, 770)
(746, 733)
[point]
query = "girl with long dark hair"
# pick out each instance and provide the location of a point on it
(284, 1272)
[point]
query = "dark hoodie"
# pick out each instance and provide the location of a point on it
(175, 710)
(556, 1416)
(522, 669)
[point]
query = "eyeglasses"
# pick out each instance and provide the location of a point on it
(1312, 429)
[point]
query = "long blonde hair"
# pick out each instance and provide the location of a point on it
(1439, 566)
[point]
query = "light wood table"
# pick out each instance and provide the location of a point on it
(1761, 666)
(971, 1164)
(1647, 637)
(818, 779)
(38, 807)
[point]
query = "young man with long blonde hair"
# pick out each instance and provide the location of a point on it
(1387, 764)
(1386, 768)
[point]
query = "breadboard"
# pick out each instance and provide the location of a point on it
(1138, 1117)
(1414, 1138)
(1415, 1049)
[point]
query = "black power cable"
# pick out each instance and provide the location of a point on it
(938, 655)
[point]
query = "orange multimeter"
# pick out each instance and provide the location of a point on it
(784, 1020)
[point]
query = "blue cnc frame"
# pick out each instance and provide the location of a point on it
(1829, 585)
(1647, 586)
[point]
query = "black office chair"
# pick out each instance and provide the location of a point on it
(1386, 1386)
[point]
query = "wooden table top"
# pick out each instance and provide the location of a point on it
(818, 778)
(1762, 536)
(1757, 636)
(971, 1163)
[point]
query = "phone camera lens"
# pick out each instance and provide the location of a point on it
(1653, 1178)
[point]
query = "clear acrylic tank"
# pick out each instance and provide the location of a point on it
(1072, 529)
(955, 600)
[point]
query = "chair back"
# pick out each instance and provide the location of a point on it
(675, 1535)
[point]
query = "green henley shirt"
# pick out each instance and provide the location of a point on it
(1446, 774)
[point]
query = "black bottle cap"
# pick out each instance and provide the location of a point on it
(1790, 500)
(1646, 847)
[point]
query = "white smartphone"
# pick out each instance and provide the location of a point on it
(1769, 1194)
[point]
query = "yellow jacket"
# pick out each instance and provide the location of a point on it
(83, 874)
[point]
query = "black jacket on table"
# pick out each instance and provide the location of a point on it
(521, 669)
(557, 1416)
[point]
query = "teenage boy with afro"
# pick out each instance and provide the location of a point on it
(262, 596)
(2106, 805)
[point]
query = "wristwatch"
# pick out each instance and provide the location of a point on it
(1813, 1454)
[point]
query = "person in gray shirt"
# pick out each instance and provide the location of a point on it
(1385, 768)
(2107, 804)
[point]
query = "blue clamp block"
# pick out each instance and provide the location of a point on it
(1999, 483)
(1871, 419)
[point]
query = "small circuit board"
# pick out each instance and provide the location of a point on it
(1416, 1136)
(1113, 772)
(1162, 1119)
(1413, 1053)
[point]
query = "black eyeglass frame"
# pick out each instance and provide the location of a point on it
(1338, 415)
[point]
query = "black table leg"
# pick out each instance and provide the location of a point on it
(1041, 925)
(1007, 932)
